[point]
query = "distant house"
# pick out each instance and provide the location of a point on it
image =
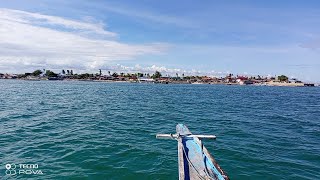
(120, 78)
(241, 79)
(293, 80)
(133, 78)
(107, 77)
(8, 76)
(215, 79)
(245, 82)
(207, 79)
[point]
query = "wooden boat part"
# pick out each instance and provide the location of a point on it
(195, 161)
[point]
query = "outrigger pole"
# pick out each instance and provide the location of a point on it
(177, 136)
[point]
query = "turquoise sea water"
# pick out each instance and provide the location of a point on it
(88, 130)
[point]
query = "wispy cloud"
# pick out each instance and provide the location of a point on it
(45, 20)
(148, 15)
(313, 44)
(33, 39)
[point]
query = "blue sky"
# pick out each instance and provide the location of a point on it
(208, 37)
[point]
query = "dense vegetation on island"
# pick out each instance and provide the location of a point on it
(156, 77)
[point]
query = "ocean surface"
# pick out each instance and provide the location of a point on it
(90, 130)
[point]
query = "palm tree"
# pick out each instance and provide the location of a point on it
(115, 74)
(157, 74)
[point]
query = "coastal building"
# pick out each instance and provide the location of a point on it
(106, 77)
(293, 80)
(164, 80)
(8, 76)
(246, 82)
(242, 80)
(309, 84)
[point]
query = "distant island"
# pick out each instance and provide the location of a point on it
(156, 77)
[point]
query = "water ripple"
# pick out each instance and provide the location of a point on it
(85, 130)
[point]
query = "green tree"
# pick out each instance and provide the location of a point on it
(100, 73)
(84, 76)
(68, 72)
(283, 78)
(63, 71)
(37, 72)
(140, 74)
(51, 74)
(157, 74)
(71, 72)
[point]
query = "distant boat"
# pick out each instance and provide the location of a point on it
(32, 79)
(145, 80)
(197, 82)
(195, 162)
(55, 78)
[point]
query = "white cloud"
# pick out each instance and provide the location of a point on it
(40, 19)
(30, 40)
